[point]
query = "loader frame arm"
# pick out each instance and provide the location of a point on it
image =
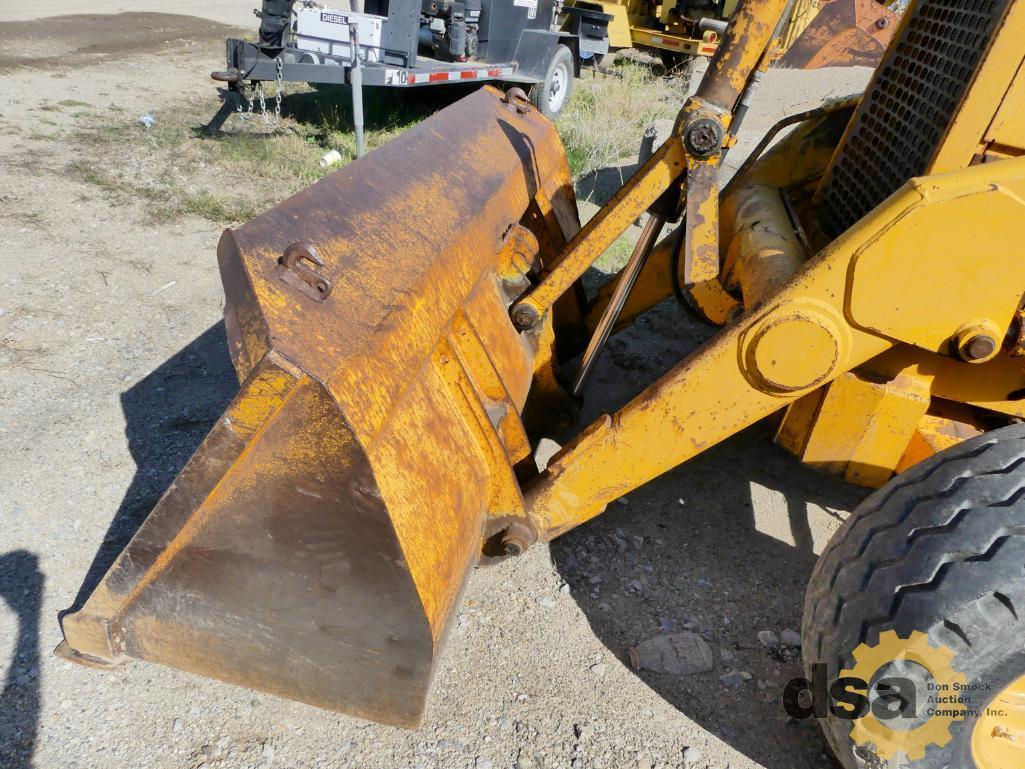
(825, 321)
(681, 170)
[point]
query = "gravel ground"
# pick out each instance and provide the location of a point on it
(238, 12)
(112, 367)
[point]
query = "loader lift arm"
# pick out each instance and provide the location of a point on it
(790, 341)
(820, 325)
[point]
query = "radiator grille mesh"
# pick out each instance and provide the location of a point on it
(911, 101)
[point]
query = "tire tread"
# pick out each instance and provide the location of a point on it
(933, 550)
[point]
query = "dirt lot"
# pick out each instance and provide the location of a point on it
(238, 12)
(113, 365)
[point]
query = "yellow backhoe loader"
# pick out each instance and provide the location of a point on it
(408, 328)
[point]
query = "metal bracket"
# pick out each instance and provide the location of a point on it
(293, 271)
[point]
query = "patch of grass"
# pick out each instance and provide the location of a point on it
(287, 159)
(97, 179)
(207, 205)
(166, 201)
(102, 133)
(114, 186)
(325, 116)
(232, 175)
(615, 256)
(24, 218)
(56, 106)
(607, 114)
(176, 168)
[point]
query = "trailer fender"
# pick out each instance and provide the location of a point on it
(535, 50)
(573, 43)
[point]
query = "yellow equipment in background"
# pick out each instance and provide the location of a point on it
(406, 330)
(661, 27)
(847, 33)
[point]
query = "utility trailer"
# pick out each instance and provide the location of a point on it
(412, 43)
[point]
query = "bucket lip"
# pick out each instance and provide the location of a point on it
(192, 592)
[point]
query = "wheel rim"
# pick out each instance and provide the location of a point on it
(998, 739)
(557, 88)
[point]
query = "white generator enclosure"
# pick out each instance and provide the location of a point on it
(321, 30)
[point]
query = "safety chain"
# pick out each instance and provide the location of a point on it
(258, 93)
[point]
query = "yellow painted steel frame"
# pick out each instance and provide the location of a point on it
(857, 427)
(991, 112)
(802, 14)
(899, 408)
(893, 409)
(628, 28)
(827, 320)
(666, 41)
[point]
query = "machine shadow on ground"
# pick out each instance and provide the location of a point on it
(21, 589)
(598, 186)
(722, 546)
(167, 415)
(659, 564)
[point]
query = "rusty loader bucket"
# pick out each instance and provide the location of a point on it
(316, 544)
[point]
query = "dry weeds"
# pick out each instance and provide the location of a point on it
(176, 167)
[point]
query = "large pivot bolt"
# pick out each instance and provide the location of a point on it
(513, 545)
(525, 317)
(517, 538)
(703, 137)
(795, 347)
(978, 341)
(980, 346)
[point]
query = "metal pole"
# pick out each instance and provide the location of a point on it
(626, 282)
(356, 80)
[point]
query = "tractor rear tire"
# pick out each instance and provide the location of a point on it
(552, 95)
(939, 551)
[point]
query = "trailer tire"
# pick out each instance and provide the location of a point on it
(552, 94)
(934, 555)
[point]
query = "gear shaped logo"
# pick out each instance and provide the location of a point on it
(934, 671)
